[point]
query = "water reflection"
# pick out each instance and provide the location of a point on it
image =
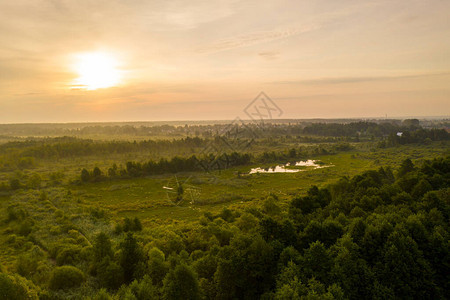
(311, 164)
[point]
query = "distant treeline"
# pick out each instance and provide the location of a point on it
(352, 129)
(72, 147)
(417, 136)
(324, 127)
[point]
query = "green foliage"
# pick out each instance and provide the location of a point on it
(109, 273)
(68, 255)
(15, 184)
(142, 289)
(66, 277)
(15, 212)
(270, 206)
(406, 167)
(131, 257)
(34, 181)
(85, 176)
(157, 266)
(15, 287)
(102, 247)
(373, 235)
(131, 225)
(181, 283)
(96, 173)
(102, 295)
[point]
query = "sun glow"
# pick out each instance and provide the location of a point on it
(96, 70)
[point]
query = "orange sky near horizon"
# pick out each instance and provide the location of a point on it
(117, 60)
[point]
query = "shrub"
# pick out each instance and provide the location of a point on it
(15, 184)
(66, 277)
(102, 295)
(25, 227)
(14, 287)
(15, 213)
(85, 176)
(68, 255)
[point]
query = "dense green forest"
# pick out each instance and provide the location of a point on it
(381, 234)
(361, 213)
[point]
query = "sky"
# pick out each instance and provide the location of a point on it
(207, 60)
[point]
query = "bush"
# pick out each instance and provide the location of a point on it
(16, 287)
(85, 176)
(132, 224)
(25, 227)
(15, 213)
(102, 295)
(66, 277)
(68, 255)
(15, 184)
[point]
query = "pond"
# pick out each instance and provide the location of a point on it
(288, 168)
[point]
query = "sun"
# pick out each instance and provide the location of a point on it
(96, 70)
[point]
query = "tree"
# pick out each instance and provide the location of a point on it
(421, 188)
(128, 225)
(292, 153)
(110, 274)
(181, 283)
(180, 192)
(411, 123)
(317, 262)
(289, 285)
(85, 176)
(112, 172)
(405, 270)
(142, 290)
(406, 167)
(270, 205)
(157, 266)
(97, 174)
(137, 224)
(350, 271)
(102, 295)
(130, 258)
(102, 247)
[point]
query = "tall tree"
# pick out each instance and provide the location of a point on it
(181, 283)
(130, 257)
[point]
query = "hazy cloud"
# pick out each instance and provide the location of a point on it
(345, 80)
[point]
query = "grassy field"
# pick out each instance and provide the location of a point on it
(147, 199)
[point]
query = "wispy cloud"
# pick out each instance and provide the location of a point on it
(254, 38)
(345, 80)
(269, 55)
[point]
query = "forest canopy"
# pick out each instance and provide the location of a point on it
(380, 234)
